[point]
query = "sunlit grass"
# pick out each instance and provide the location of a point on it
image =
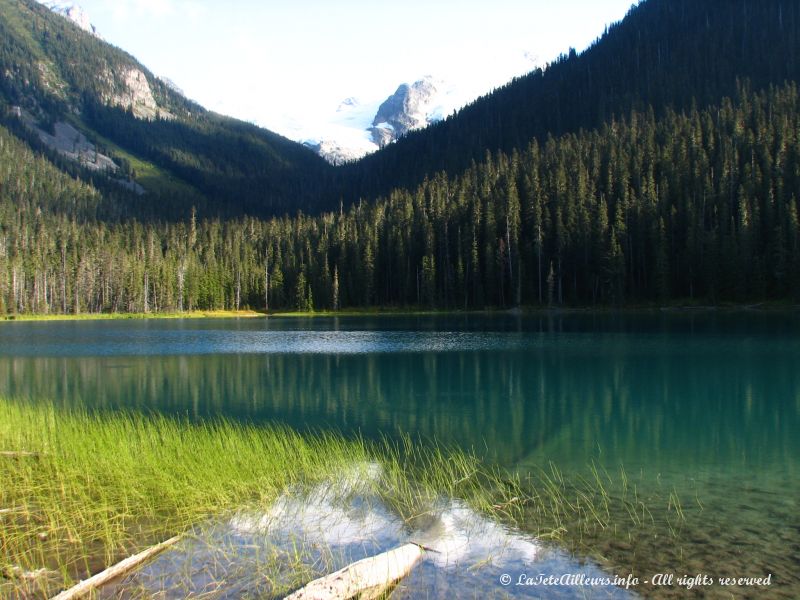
(92, 489)
(101, 487)
(195, 314)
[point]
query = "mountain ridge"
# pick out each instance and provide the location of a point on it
(660, 55)
(56, 72)
(577, 91)
(358, 129)
(73, 12)
(623, 174)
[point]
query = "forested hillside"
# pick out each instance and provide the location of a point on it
(665, 54)
(184, 156)
(700, 204)
(661, 165)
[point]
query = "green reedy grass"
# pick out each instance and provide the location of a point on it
(101, 487)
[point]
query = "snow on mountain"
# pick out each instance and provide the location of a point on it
(411, 107)
(74, 13)
(356, 128)
(341, 150)
(341, 135)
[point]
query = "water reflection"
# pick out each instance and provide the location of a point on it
(703, 406)
(665, 392)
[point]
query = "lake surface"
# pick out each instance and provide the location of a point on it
(698, 409)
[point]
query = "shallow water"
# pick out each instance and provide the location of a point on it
(334, 525)
(701, 410)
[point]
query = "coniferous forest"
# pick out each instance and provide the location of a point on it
(624, 193)
(695, 205)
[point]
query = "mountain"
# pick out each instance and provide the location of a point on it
(68, 93)
(342, 136)
(411, 107)
(359, 128)
(694, 207)
(73, 12)
(661, 165)
(665, 55)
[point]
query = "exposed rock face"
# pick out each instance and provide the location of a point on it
(407, 109)
(127, 87)
(74, 13)
(132, 91)
(356, 129)
(138, 94)
(72, 144)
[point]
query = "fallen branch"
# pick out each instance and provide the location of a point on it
(121, 568)
(23, 575)
(368, 578)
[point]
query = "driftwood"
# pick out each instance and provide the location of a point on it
(23, 575)
(121, 568)
(368, 578)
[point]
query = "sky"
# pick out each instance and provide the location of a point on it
(283, 64)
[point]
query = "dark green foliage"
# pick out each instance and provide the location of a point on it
(240, 168)
(698, 205)
(621, 175)
(665, 54)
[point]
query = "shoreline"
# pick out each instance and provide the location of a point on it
(195, 314)
(680, 308)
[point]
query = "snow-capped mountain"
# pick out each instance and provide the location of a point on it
(357, 128)
(74, 13)
(410, 107)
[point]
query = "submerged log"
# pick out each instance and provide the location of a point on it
(368, 578)
(121, 568)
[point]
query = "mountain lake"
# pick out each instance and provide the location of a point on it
(688, 421)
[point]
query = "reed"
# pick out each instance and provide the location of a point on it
(80, 491)
(83, 490)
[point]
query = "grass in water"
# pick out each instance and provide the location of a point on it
(79, 491)
(98, 488)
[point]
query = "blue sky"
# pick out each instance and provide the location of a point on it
(278, 63)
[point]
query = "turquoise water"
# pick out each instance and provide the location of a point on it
(699, 410)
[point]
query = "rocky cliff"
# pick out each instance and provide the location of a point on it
(74, 13)
(130, 89)
(410, 107)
